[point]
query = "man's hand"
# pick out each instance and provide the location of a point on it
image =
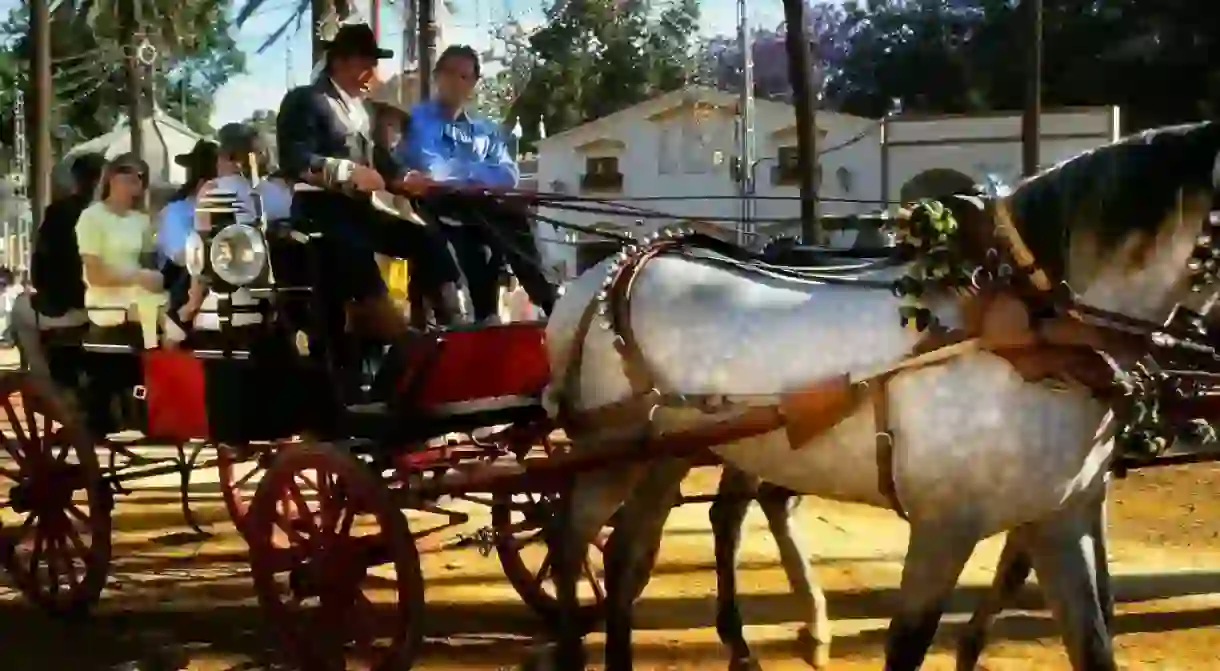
(416, 183)
(149, 280)
(366, 179)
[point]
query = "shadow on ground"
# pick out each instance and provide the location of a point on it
(493, 634)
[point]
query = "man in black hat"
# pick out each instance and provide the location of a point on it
(324, 133)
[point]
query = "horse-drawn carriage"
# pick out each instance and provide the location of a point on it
(327, 518)
(267, 371)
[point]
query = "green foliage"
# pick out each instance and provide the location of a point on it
(196, 55)
(596, 57)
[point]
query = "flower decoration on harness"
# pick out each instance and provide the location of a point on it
(929, 234)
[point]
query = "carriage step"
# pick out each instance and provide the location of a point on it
(368, 409)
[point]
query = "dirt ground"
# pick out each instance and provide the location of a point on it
(173, 590)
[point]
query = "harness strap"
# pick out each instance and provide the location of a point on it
(879, 395)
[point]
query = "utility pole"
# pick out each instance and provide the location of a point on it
(745, 181)
(131, 20)
(409, 37)
(427, 46)
(800, 73)
(1032, 116)
(13, 239)
(39, 179)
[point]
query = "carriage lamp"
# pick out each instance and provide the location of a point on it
(238, 254)
(233, 254)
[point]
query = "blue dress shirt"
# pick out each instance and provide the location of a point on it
(177, 224)
(458, 151)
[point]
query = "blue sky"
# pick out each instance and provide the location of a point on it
(289, 61)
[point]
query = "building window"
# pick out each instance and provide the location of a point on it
(666, 155)
(787, 169)
(696, 157)
(602, 174)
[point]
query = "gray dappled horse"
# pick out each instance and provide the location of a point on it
(977, 448)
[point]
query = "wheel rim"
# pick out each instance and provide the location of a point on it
(519, 523)
(317, 522)
(56, 512)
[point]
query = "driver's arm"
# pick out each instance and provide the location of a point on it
(298, 128)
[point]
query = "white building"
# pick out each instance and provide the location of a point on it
(674, 154)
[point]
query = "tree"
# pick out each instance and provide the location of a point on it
(595, 57)
(196, 55)
(720, 61)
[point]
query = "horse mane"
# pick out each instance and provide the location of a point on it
(1113, 191)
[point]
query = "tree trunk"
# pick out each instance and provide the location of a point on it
(800, 73)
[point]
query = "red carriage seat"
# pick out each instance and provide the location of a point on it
(478, 369)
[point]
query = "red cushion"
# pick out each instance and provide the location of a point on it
(479, 363)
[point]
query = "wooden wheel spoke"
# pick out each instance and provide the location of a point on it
(544, 571)
(10, 473)
(13, 447)
(303, 509)
(77, 513)
(11, 414)
(245, 479)
(32, 422)
(599, 592)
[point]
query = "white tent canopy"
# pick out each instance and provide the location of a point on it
(164, 138)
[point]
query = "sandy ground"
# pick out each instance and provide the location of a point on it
(171, 589)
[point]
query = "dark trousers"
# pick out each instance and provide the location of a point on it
(492, 232)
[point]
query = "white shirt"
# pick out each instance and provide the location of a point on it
(356, 111)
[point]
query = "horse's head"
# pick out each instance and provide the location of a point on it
(1121, 223)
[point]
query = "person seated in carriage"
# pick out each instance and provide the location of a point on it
(446, 146)
(58, 299)
(324, 134)
(116, 241)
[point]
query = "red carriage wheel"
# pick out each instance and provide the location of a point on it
(520, 523)
(239, 470)
(54, 507)
(335, 568)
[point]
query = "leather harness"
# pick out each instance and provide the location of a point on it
(999, 320)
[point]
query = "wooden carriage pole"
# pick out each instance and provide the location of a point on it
(39, 112)
(1031, 117)
(427, 46)
(800, 73)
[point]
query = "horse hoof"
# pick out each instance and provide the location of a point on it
(744, 664)
(815, 653)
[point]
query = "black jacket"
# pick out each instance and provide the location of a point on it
(313, 131)
(55, 265)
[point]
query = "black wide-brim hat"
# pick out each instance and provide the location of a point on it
(356, 39)
(203, 153)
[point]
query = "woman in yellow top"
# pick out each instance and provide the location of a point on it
(114, 236)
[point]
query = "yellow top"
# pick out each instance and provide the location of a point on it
(118, 240)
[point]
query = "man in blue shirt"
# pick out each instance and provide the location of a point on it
(445, 145)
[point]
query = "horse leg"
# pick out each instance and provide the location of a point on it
(632, 551)
(936, 555)
(783, 510)
(1101, 565)
(1063, 555)
(580, 514)
(1011, 573)
(727, 515)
